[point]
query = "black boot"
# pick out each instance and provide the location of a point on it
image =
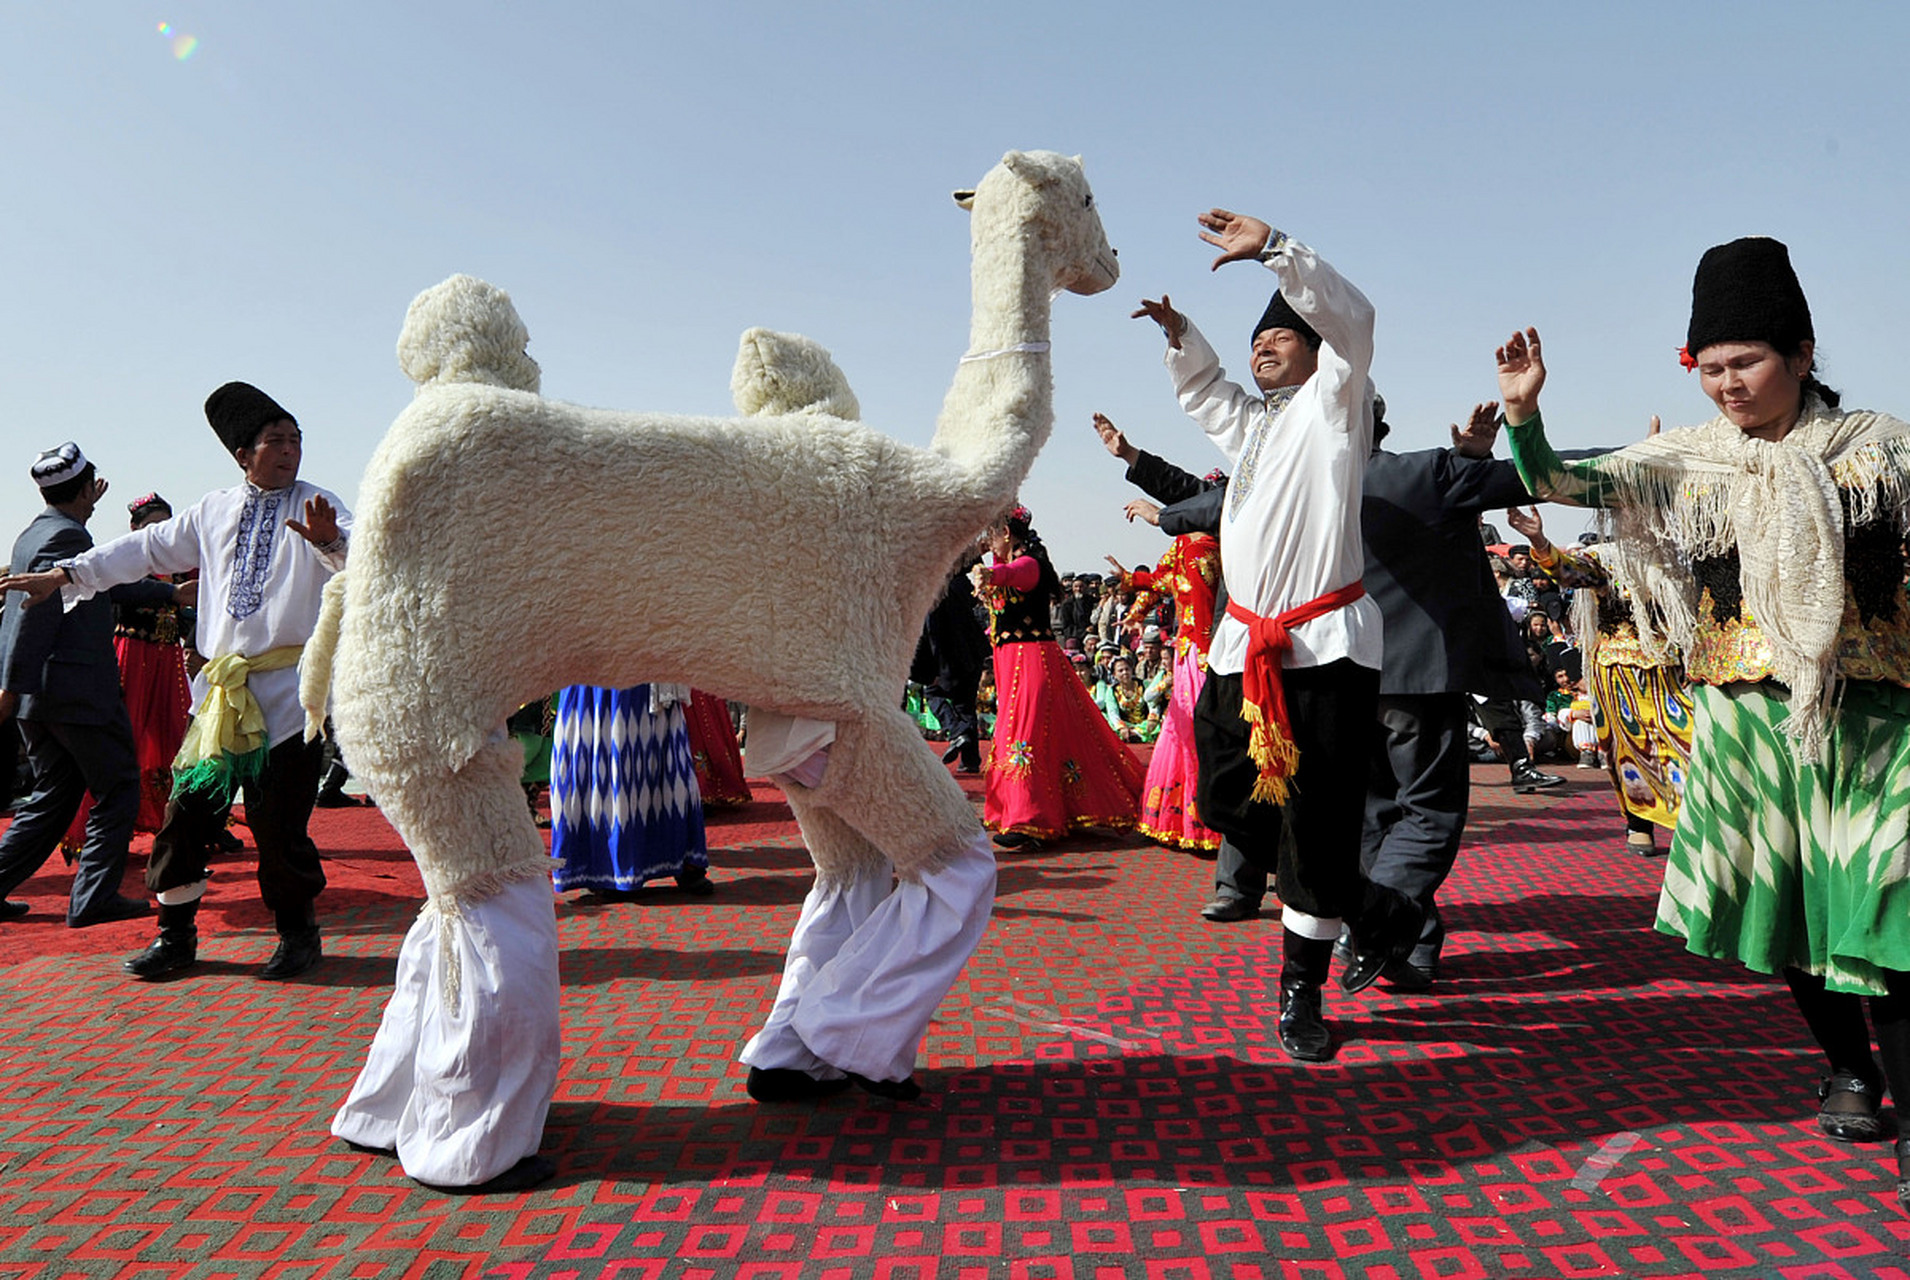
(298, 948)
(1303, 1032)
(1302, 1025)
(176, 947)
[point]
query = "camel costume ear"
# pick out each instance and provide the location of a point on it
(966, 199)
(1017, 163)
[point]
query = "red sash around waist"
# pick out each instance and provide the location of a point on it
(1263, 701)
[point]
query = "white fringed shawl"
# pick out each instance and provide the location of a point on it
(1700, 491)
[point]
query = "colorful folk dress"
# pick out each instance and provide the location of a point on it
(1189, 572)
(1053, 765)
(148, 639)
(1641, 710)
(1789, 850)
(713, 749)
(624, 804)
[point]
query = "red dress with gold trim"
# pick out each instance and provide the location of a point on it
(713, 750)
(1189, 573)
(152, 675)
(1053, 765)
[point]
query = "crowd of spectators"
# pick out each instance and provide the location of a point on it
(1119, 638)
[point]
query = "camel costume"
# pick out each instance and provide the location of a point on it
(434, 641)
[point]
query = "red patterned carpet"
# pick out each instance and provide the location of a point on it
(1577, 1098)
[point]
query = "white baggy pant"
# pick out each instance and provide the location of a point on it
(870, 961)
(461, 1092)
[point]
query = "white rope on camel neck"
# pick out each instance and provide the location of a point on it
(1030, 348)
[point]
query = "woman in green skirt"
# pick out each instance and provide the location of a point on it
(1772, 540)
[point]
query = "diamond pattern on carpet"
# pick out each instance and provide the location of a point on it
(1579, 1097)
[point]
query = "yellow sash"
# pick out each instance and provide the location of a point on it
(227, 732)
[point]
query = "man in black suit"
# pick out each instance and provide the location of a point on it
(59, 676)
(1448, 635)
(949, 658)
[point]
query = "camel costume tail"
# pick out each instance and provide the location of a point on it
(315, 667)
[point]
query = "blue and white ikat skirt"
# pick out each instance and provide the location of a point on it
(623, 797)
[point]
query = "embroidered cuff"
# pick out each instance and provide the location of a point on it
(1277, 241)
(335, 547)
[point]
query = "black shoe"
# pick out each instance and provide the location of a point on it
(1303, 1032)
(1528, 779)
(11, 910)
(903, 1090)
(335, 798)
(1849, 1110)
(1228, 910)
(172, 951)
(1364, 969)
(1016, 841)
(115, 908)
(1409, 975)
(696, 882)
(295, 954)
(226, 842)
(522, 1176)
(786, 1084)
(957, 745)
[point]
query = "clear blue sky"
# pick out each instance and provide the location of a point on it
(649, 180)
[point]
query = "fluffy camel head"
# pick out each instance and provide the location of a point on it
(465, 330)
(779, 373)
(1047, 194)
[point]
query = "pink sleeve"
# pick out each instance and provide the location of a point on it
(1019, 574)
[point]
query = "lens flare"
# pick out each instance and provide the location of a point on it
(183, 45)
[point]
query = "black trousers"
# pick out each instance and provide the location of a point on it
(1418, 786)
(952, 699)
(278, 809)
(69, 761)
(1501, 719)
(1312, 843)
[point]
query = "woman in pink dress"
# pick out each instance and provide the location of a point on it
(1188, 573)
(1053, 765)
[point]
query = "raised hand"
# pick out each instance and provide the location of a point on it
(1529, 525)
(1521, 375)
(1236, 235)
(1656, 426)
(1118, 567)
(1162, 313)
(1112, 438)
(320, 526)
(1142, 509)
(1481, 429)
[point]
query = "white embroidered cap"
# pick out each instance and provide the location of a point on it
(58, 465)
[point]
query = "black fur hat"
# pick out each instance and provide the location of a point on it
(1281, 315)
(1746, 291)
(238, 411)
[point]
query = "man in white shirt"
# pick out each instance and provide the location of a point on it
(1284, 726)
(264, 551)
